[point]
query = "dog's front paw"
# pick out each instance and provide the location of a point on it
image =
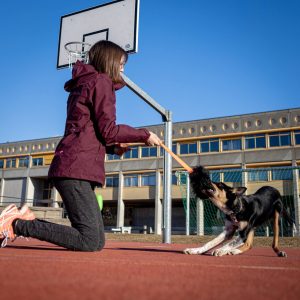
(194, 251)
(234, 252)
(281, 254)
(219, 252)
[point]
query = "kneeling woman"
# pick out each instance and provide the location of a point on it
(78, 165)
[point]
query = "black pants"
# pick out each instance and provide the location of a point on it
(87, 231)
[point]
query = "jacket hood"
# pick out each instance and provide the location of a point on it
(82, 73)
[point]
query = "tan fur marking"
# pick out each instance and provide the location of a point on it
(249, 242)
(220, 195)
(276, 232)
(219, 199)
(276, 236)
(242, 225)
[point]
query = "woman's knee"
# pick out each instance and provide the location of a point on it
(93, 244)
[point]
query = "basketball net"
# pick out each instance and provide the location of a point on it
(77, 51)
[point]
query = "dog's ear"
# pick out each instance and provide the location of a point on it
(223, 186)
(239, 191)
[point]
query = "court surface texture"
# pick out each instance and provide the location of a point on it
(31, 269)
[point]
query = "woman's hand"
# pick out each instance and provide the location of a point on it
(121, 148)
(153, 140)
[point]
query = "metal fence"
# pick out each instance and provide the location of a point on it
(203, 218)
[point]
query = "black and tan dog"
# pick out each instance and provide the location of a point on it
(242, 213)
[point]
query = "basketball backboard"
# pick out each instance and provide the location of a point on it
(115, 21)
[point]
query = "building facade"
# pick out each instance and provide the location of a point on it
(133, 190)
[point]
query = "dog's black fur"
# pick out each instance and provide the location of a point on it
(253, 209)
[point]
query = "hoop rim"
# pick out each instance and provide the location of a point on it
(77, 43)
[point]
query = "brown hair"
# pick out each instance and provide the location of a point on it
(105, 57)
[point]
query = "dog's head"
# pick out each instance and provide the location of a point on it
(223, 196)
(230, 195)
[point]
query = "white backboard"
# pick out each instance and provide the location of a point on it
(115, 21)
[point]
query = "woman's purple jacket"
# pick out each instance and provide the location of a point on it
(90, 127)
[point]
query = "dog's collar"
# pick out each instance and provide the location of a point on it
(233, 218)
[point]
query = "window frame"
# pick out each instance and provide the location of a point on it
(9, 161)
(133, 150)
(148, 175)
(131, 177)
(112, 157)
(147, 150)
(115, 181)
(255, 137)
(210, 142)
(258, 176)
(20, 161)
(287, 175)
(189, 145)
(233, 171)
(280, 135)
(297, 135)
(232, 140)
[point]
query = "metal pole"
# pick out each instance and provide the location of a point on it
(167, 204)
(149, 100)
(200, 217)
(158, 206)
(187, 218)
(167, 118)
(296, 192)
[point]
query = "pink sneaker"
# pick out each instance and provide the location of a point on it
(8, 215)
(7, 208)
(26, 213)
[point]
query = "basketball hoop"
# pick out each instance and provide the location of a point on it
(77, 51)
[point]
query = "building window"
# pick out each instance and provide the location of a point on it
(148, 180)
(37, 161)
(255, 141)
(233, 176)
(11, 163)
(1, 163)
(188, 148)
(112, 157)
(258, 175)
(112, 181)
(210, 145)
(47, 191)
(280, 139)
(229, 145)
(181, 178)
(174, 179)
(132, 153)
(215, 176)
(149, 151)
(23, 162)
(130, 180)
(282, 174)
(297, 137)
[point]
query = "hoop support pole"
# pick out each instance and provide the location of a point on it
(167, 119)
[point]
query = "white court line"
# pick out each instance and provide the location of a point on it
(150, 246)
(99, 259)
(254, 267)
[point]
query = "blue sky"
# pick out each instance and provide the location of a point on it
(199, 59)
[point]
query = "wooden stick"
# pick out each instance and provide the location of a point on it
(177, 158)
